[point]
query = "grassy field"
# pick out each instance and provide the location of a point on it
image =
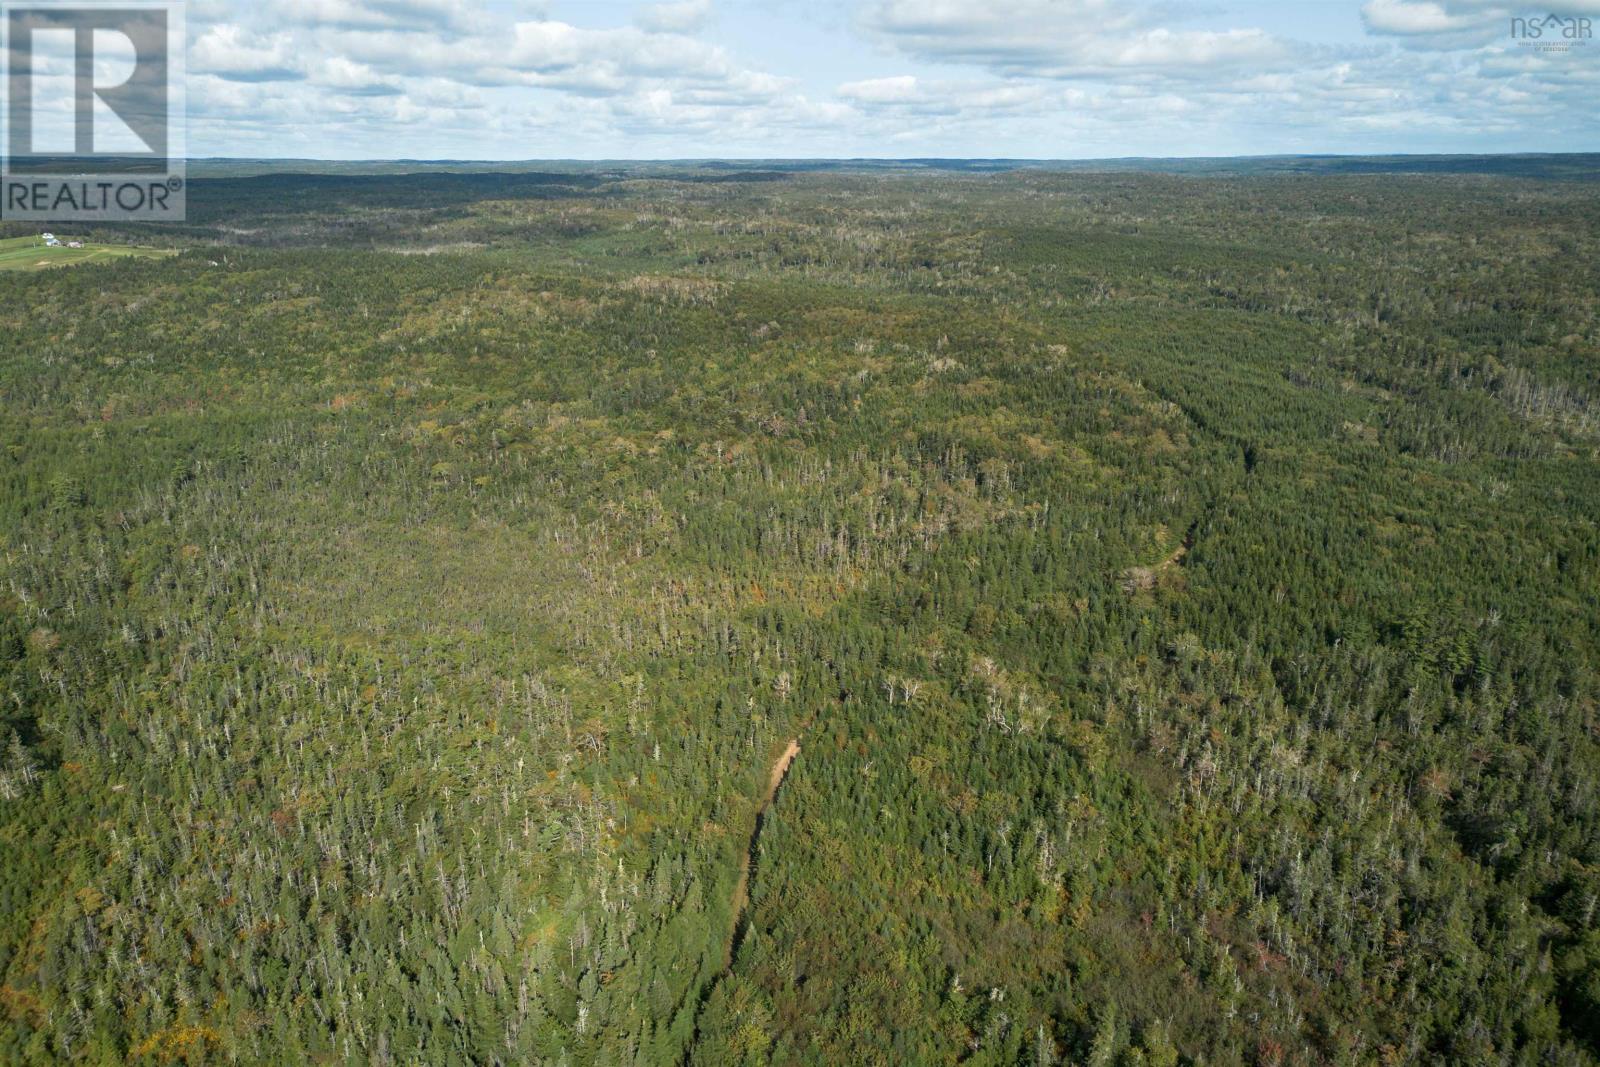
(30, 253)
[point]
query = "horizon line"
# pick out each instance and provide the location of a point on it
(888, 159)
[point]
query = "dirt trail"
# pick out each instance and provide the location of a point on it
(741, 891)
(1137, 578)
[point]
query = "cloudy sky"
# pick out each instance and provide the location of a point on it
(528, 79)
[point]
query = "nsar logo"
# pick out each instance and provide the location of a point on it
(1553, 33)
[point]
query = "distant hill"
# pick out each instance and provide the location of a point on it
(1576, 166)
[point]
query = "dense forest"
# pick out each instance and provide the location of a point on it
(1182, 591)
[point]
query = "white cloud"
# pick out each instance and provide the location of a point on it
(682, 16)
(357, 79)
(896, 90)
(1066, 39)
(423, 15)
(231, 52)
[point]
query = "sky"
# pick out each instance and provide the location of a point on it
(1063, 79)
